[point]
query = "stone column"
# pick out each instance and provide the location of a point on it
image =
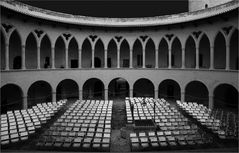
(53, 57)
(197, 57)
(143, 56)
(106, 55)
(7, 56)
(211, 57)
(227, 55)
(156, 58)
(156, 94)
(130, 92)
(53, 96)
(182, 96)
(38, 57)
(118, 57)
(131, 58)
(79, 58)
(23, 57)
(183, 58)
(169, 58)
(66, 58)
(24, 99)
(106, 94)
(93, 58)
(80, 95)
(210, 102)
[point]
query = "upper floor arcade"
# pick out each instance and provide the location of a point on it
(33, 43)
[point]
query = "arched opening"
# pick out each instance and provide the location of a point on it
(150, 54)
(15, 51)
(11, 98)
(3, 46)
(143, 88)
(39, 92)
(234, 58)
(169, 89)
(204, 52)
(124, 54)
(196, 91)
(73, 54)
(137, 54)
(45, 52)
(60, 53)
(226, 97)
(220, 52)
(67, 89)
(86, 54)
(118, 89)
(31, 52)
(93, 89)
(163, 54)
(176, 56)
(190, 53)
(112, 54)
(99, 54)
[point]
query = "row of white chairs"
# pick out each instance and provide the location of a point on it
(18, 125)
(204, 115)
(81, 128)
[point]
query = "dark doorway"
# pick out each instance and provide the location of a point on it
(47, 62)
(109, 62)
(17, 62)
(93, 89)
(97, 62)
(118, 89)
(11, 98)
(74, 63)
(169, 89)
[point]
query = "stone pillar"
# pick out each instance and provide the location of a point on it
(169, 58)
(210, 102)
(130, 92)
(23, 57)
(106, 55)
(156, 94)
(54, 96)
(79, 58)
(227, 56)
(143, 56)
(182, 96)
(66, 58)
(131, 58)
(156, 58)
(197, 57)
(80, 95)
(211, 57)
(118, 57)
(93, 58)
(6, 56)
(38, 57)
(53, 57)
(106, 94)
(24, 99)
(183, 58)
